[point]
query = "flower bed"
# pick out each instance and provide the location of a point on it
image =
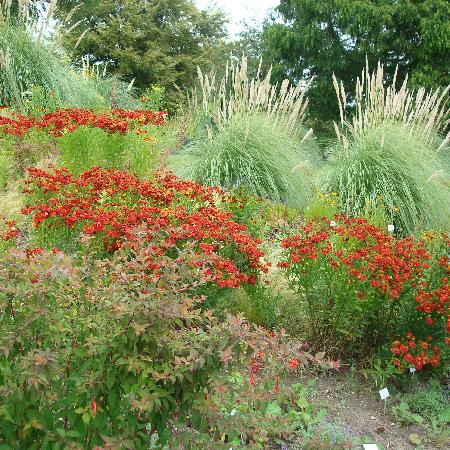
(364, 287)
(67, 120)
(117, 209)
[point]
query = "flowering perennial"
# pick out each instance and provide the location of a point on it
(117, 209)
(370, 276)
(67, 120)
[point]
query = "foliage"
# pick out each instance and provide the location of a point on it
(252, 153)
(95, 353)
(318, 38)
(388, 165)
(428, 407)
(5, 165)
(265, 414)
(360, 286)
(176, 38)
(153, 98)
(88, 147)
(324, 205)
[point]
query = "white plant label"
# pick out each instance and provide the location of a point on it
(412, 369)
(332, 223)
(233, 412)
(391, 228)
(370, 447)
(384, 393)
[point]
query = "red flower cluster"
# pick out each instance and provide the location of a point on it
(418, 353)
(370, 254)
(9, 230)
(117, 209)
(67, 120)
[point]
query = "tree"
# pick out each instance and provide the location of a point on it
(319, 37)
(148, 41)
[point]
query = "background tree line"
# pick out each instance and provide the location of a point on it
(162, 42)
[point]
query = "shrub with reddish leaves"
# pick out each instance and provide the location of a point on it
(95, 352)
(113, 209)
(364, 289)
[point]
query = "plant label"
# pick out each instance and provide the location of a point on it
(370, 447)
(233, 412)
(391, 228)
(384, 393)
(412, 369)
(332, 223)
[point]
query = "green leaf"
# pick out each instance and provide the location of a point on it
(415, 439)
(73, 434)
(86, 418)
(273, 410)
(444, 415)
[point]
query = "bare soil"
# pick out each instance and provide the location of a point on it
(357, 407)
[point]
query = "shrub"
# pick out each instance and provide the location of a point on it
(361, 287)
(95, 352)
(249, 151)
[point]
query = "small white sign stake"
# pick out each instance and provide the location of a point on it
(332, 223)
(370, 447)
(391, 228)
(384, 394)
(412, 370)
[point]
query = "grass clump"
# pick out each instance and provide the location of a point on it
(27, 64)
(248, 133)
(390, 153)
(248, 151)
(88, 147)
(389, 166)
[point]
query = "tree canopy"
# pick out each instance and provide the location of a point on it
(151, 41)
(319, 37)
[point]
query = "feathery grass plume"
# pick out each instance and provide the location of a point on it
(248, 132)
(284, 106)
(248, 151)
(423, 114)
(391, 149)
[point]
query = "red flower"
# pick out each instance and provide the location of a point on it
(293, 364)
